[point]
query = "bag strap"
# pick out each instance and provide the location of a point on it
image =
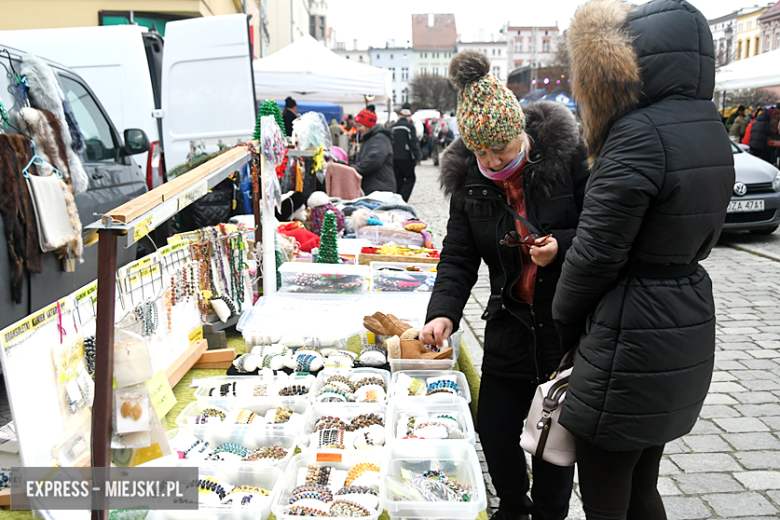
(550, 403)
(531, 227)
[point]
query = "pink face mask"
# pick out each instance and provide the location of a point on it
(504, 173)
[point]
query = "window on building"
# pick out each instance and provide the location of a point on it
(377, 56)
(391, 56)
(405, 95)
(499, 51)
(777, 38)
(392, 69)
(747, 47)
(322, 31)
(423, 70)
(436, 71)
(394, 96)
(546, 46)
(347, 56)
(404, 74)
(757, 50)
(313, 26)
(739, 49)
(497, 72)
(404, 56)
(519, 45)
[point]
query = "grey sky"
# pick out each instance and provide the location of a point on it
(373, 22)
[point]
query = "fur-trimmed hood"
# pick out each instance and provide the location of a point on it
(625, 57)
(555, 143)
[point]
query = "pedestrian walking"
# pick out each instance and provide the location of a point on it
(759, 135)
(406, 153)
(374, 161)
(289, 114)
(753, 117)
(739, 126)
(632, 294)
(516, 181)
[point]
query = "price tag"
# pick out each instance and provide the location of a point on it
(72, 387)
(143, 228)
(191, 195)
(160, 393)
(196, 335)
(328, 457)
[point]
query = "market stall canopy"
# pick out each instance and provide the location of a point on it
(756, 72)
(308, 71)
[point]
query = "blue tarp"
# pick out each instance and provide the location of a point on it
(327, 109)
(563, 99)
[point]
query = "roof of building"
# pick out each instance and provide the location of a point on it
(539, 27)
(751, 11)
(501, 43)
(772, 12)
(442, 35)
(735, 14)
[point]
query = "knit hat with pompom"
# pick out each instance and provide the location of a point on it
(488, 112)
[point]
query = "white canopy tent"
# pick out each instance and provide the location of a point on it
(756, 72)
(308, 71)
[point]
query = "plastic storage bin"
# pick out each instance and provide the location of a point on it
(251, 438)
(397, 277)
(454, 407)
(341, 460)
(244, 386)
(323, 278)
(422, 375)
(430, 364)
(186, 419)
(349, 372)
(344, 411)
(381, 235)
(457, 459)
(265, 477)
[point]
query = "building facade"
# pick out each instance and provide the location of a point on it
(724, 30)
(357, 55)
(531, 46)
(496, 51)
(769, 23)
(288, 20)
(318, 20)
(399, 61)
(748, 38)
(434, 39)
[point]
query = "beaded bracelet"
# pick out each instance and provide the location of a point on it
(282, 415)
(230, 447)
(209, 485)
(250, 489)
(358, 470)
(371, 380)
(444, 479)
(356, 490)
(303, 511)
(366, 420)
(245, 417)
(183, 454)
(440, 390)
(410, 425)
(303, 363)
(340, 379)
(348, 508)
(324, 492)
(294, 390)
(266, 452)
(443, 383)
(318, 475)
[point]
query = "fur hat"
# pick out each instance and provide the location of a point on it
(488, 112)
(317, 199)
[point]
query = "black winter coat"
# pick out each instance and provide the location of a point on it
(759, 133)
(631, 291)
(375, 160)
(406, 146)
(553, 187)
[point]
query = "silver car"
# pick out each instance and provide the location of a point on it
(755, 204)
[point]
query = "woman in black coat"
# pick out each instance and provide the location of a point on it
(632, 294)
(541, 172)
(759, 135)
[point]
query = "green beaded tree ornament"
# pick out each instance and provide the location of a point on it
(329, 251)
(269, 108)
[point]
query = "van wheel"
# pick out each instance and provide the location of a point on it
(767, 231)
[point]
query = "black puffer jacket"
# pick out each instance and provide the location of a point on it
(406, 146)
(631, 291)
(759, 133)
(553, 187)
(375, 160)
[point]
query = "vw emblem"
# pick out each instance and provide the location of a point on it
(740, 189)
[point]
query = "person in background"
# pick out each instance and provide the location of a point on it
(513, 172)
(632, 296)
(406, 153)
(374, 161)
(335, 131)
(753, 116)
(759, 136)
(739, 125)
(289, 115)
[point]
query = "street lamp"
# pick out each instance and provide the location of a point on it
(729, 31)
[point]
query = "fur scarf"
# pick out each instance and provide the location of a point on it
(16, 210)
(45, 93)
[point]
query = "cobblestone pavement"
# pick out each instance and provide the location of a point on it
(729, 465)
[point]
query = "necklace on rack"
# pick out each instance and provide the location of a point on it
(218, 253)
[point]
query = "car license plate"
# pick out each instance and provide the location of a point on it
(742, 206)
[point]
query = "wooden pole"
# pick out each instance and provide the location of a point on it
(104, 359)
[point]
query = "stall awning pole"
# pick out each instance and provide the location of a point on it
(269, 244)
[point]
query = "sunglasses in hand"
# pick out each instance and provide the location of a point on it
(512, 239)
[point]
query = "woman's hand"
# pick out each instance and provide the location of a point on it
(436, 331)
(544, 252)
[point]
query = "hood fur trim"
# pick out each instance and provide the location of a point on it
(606, 79)
(555, 143)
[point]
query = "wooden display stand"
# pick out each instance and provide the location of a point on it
(366, 259)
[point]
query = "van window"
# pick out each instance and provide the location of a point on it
(92, 122)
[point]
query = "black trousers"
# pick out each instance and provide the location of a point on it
(404, 177)
(503, 406)
(619, 485)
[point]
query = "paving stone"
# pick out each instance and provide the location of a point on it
(759, 480)
(758, 410)
(752, 398)
(676, 446)
(718, 411)
(759, 459)
(667, 467)
(742, 504)
(667, 487)
(725, 398)
(775, 496)
(730, 365)
(700, 483)
(726, 388)
(752, 441)
(761, 385)
(772, 422)
(706, 443)
(718, 376)
(704, 427)
(685, 508)
(763, 354)
(741, 424)
(760, 364)
(705, 462)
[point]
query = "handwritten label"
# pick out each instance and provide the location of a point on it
(87, 292)
(22, 328)
(328, 457)
(143, 228)
(196, 335)
(172, 248)
(160, 393)
(191, 195)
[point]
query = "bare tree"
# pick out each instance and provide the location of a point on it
(753, 98)
(429, 91)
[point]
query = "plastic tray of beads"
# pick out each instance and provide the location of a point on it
(307, 278)
(402, 277)
(397, 365)
(351, 373)
(456, 460)
(236, 444)
(447, 420)
(268, 478)
(252, 389)
(423, 377)
(340, 460)
(192, 420)
(346, 413)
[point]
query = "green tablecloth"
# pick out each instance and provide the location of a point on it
(185, 395)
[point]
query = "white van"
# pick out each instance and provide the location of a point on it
(194, 86)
